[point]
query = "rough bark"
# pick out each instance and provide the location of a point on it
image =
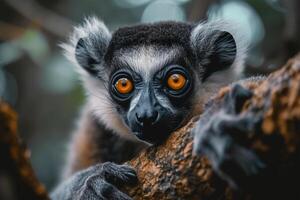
(17, 179)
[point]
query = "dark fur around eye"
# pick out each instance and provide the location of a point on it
(177, 94)
(117, 96)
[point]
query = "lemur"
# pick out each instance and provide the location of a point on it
(142, 82)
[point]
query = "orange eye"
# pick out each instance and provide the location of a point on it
(124, 86)
(176, 81)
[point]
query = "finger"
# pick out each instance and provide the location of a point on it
(119, 174)
(104, 190)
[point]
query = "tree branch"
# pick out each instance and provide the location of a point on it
(45, 18)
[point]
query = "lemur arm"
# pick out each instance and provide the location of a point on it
(222, 134)
(97, 182)
(90, 172)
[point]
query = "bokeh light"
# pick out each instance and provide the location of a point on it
(162, 10)
(58, 75)
(245, 18)
(2, 83)
(130, 3)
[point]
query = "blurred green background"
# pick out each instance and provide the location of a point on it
(42, 86)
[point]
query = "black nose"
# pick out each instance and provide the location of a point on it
(147, 118)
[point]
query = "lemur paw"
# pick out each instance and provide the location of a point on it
(222, 137)
(97, 182)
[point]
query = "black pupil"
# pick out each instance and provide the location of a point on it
(124, 82)
(175, 78)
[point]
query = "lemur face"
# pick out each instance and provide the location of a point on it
(144, 80)
(151, 86)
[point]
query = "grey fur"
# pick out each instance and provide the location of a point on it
(96, 182)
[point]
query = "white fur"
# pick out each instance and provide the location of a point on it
(98, 99)
(100, 104)
(242, 45)
(221, 78)
(91, 26)
(146, 60)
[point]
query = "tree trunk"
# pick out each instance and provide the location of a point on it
(17, 179)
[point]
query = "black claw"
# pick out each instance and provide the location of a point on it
(236, 98)
(128, 175)
(119, 174)
(248, 161)
(239, 92)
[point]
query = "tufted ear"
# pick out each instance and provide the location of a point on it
(88, 45)
(215, 49)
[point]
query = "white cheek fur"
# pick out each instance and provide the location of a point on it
(104, 110)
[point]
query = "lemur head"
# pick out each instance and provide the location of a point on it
(147, 80)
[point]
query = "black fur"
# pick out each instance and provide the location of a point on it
(84, 57)
(223, 53)
(210, 51)
(161, 33)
